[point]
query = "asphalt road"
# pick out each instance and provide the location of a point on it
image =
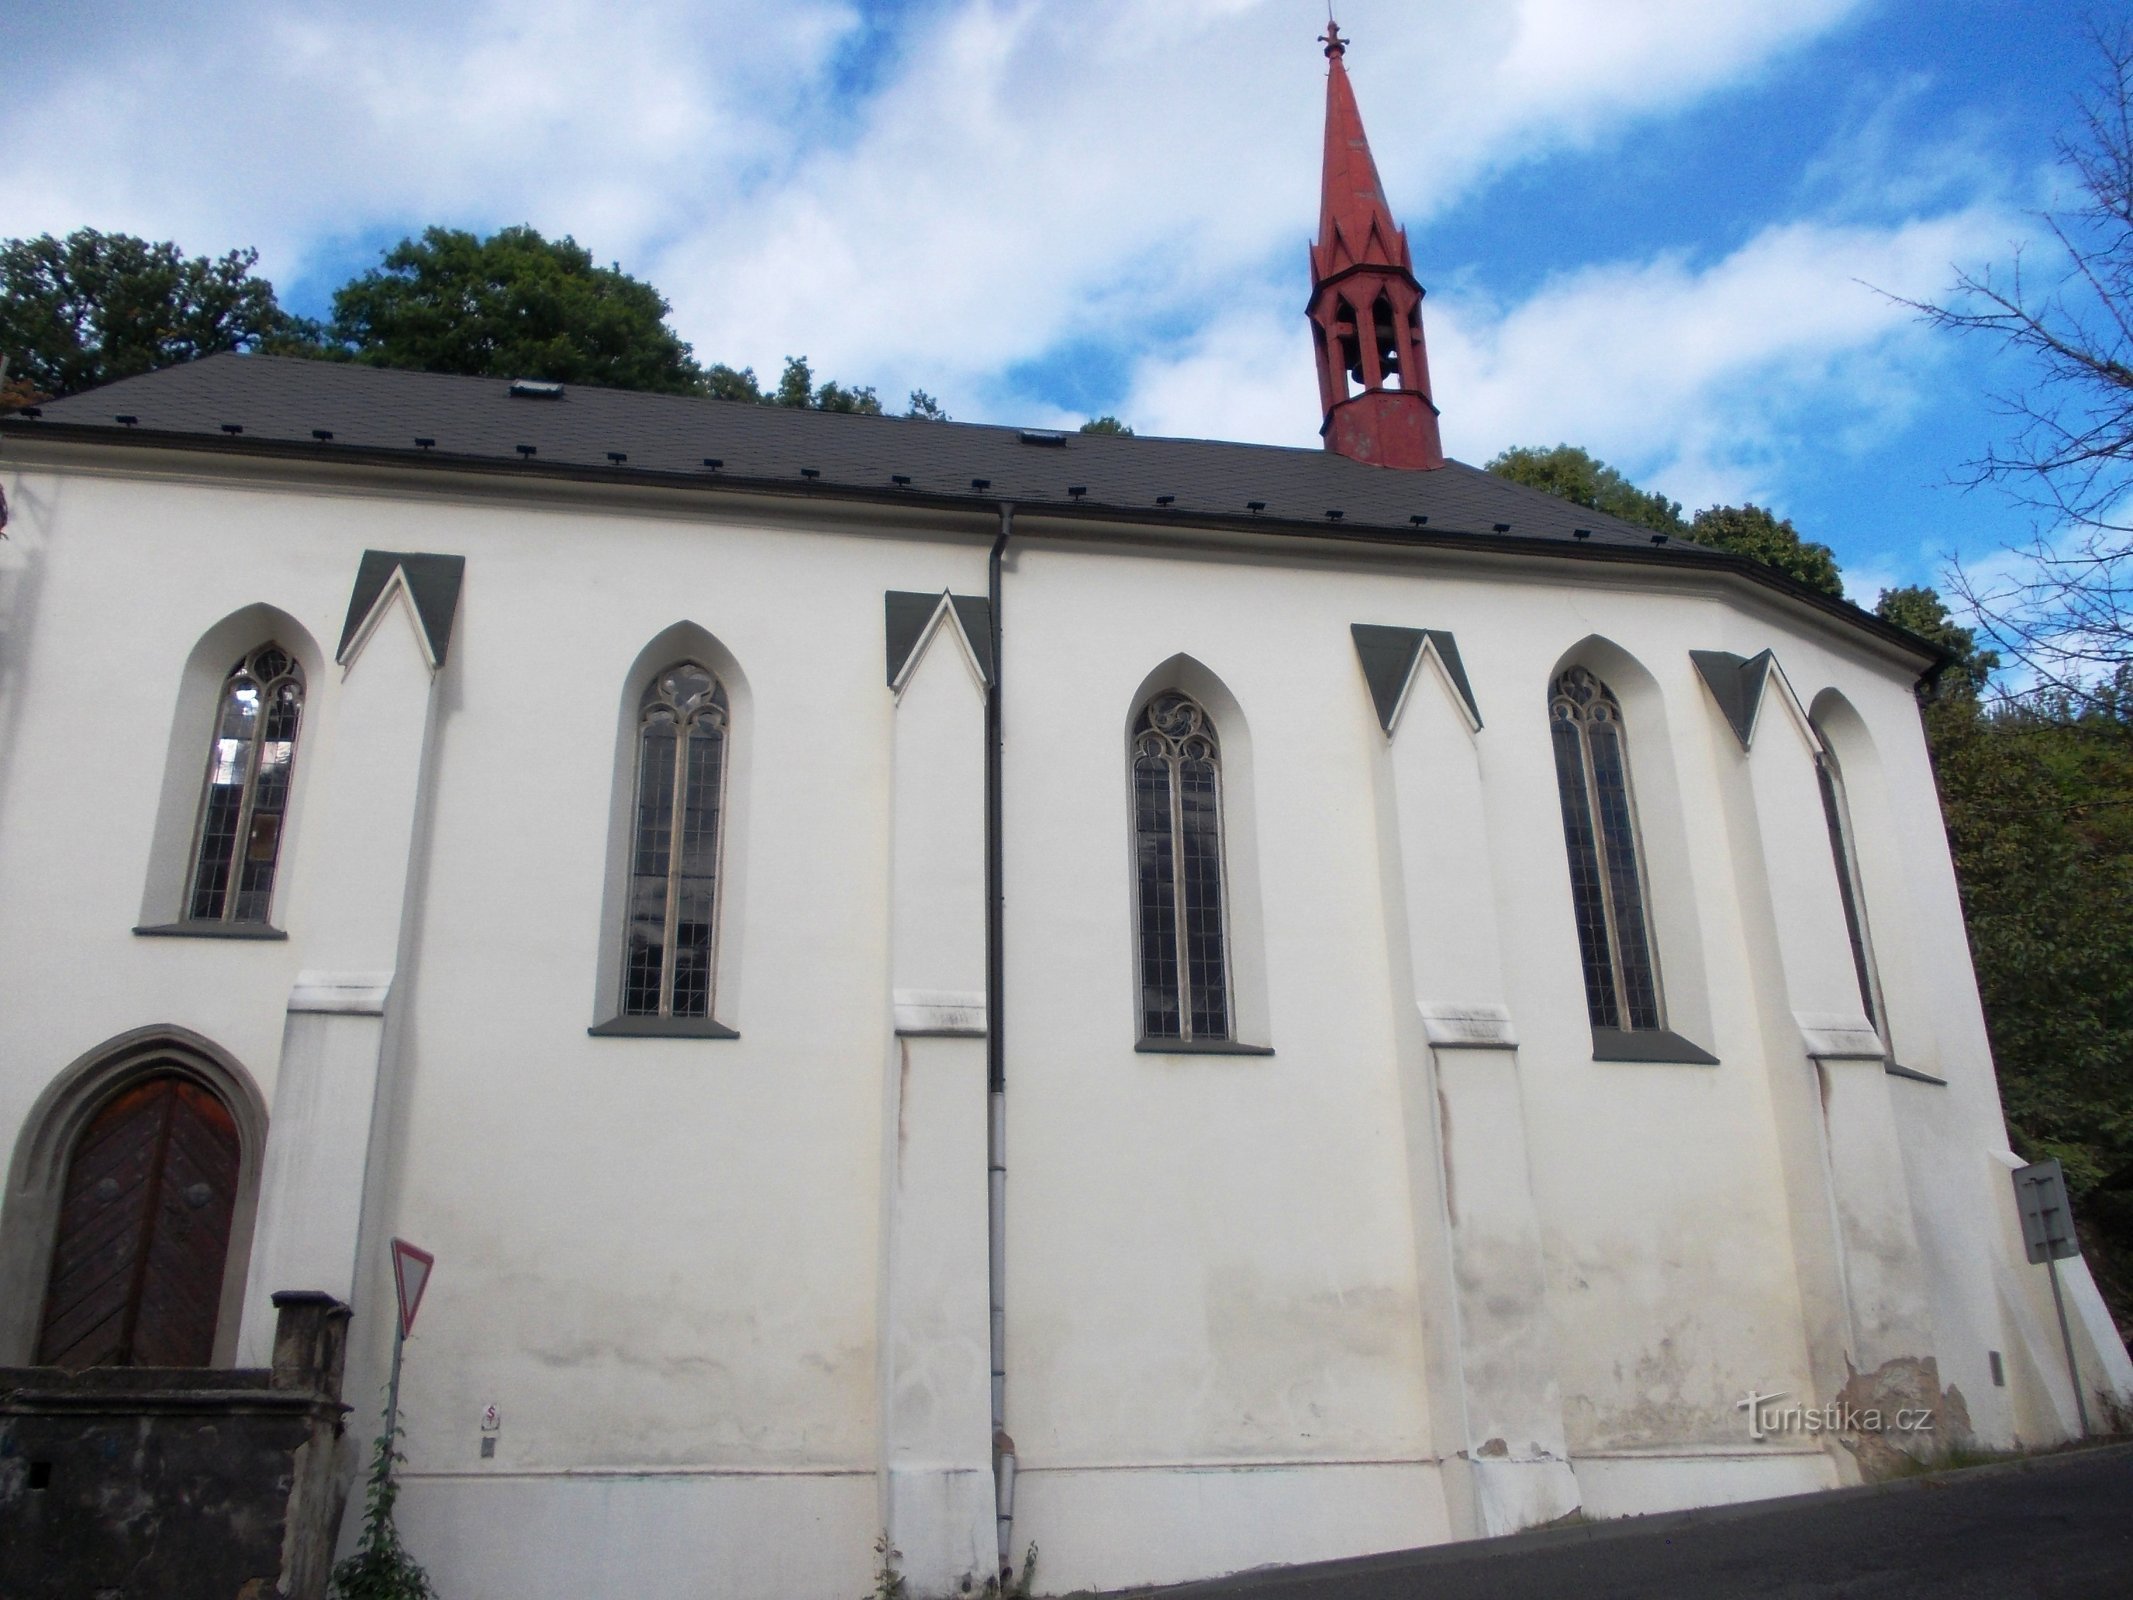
(2050, 1528)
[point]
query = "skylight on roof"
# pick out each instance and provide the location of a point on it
(535, 389)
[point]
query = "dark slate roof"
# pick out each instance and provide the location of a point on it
(372, 409)
(281, 406)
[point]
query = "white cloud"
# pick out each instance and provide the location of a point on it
(1697, 380)
(252, 123)
(1020, 172)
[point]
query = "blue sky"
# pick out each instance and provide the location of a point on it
(1647, 226)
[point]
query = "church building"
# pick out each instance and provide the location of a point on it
(1188, 1004)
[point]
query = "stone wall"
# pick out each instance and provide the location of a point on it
(134, 1483)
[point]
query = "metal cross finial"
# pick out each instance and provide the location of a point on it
(1332, 40)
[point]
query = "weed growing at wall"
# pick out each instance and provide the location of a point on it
(381, 1568)
(888, 1582)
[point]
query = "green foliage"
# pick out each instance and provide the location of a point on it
(2038, 797)
(1581, 478)
(95, 307)
(1921, 611)
(796, 388)
(1575, 475)
(1107, 424)
(725, 383)
(381, 1568)
(1762, 536)
(924, 408)
(1024, 1582)
(513, 305)
(888, 1582)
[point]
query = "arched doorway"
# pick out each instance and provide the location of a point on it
(143, 1232)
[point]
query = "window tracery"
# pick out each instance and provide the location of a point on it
(251, 759)
(1177, 795)
(1600, 833)
(674, 844)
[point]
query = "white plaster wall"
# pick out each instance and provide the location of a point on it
(659, 1258)
(105, 588)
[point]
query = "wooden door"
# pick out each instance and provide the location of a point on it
(144, 1230)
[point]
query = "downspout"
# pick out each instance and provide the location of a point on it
(1003, 1448)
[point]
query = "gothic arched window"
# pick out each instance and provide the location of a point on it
(1837, 816)
(1600, 830)
(1177, 836)
(674, 844)
(249, 764)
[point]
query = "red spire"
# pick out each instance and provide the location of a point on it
(1366, 307)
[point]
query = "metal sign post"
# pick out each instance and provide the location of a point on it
(2048, 1234)
(411, 1275)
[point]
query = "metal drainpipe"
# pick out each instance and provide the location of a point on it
(1003, 1448)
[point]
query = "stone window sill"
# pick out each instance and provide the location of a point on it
(1648, 1044)
(209, 930)
(1896, 1070)
(661, 1028)
(1200, 1047)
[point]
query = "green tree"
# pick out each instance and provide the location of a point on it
(2038, 796)
(924, 408)
(95, 307)
(1578, 476)
(722, 382)
(1575, 475)
(1921, 611)
(1107, 424)
(1761, 535)
(513, 305)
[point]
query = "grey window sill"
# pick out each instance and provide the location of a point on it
(1201, 1047)
(1895, 1070)
(210, 930)
(1648, 1044)
(661, 1028)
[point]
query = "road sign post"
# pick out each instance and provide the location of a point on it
(2048, 1235)
(411, 1275)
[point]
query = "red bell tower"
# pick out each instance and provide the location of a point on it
(1366, 306)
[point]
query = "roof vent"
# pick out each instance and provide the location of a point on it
(527, 450)
(1166, 499)
(1043, 436)
(535, 389)
(810, 473)
(1502, 527)
(1335, 516)
(1658, 538)
(1255, 505)
(233, 427)
(425, 444)
(1581, 533)
(618, 456)
(713, 462)
(125, 419)
(1077, 490)
(902, 480)
(321, 434)
(981, 484)
(1419, 520)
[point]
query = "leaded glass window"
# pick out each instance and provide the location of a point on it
(674, 844)
(249, 764)
(1177, 836)
(1840, 848)
(1600, 831)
